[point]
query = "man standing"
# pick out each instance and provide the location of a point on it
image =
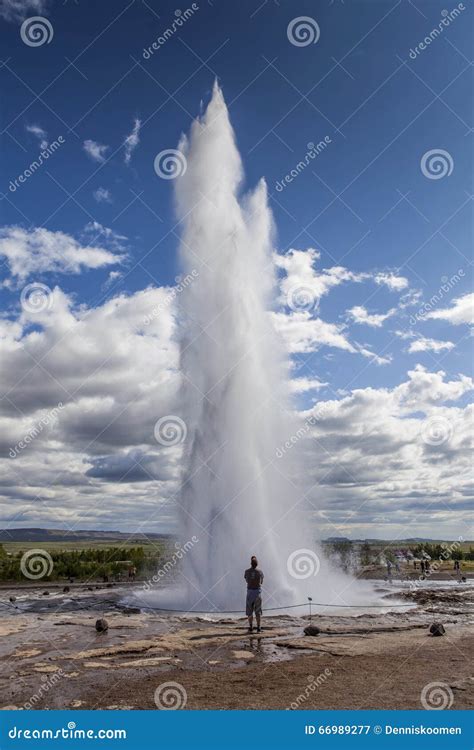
(254, 578)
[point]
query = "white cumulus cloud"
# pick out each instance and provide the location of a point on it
(360, 314)
(461, 311)
(423, 344)
(40, 250)
(96, 151)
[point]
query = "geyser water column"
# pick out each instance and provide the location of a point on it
(241, 494)
(237, 498)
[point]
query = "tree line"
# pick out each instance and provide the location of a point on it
(105, 562)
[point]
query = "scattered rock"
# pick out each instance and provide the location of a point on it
(311, 630)
(27, 653)
(466, 684)
(131, 610)
(437, 628)
(45, 668)
(45, 593)
(117, 707)
(243, 654)
(101, 625)
(66, 590)
(153, 661)
(12, 599)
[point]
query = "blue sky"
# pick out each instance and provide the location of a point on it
(364, 203)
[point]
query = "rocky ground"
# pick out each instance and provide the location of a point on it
(51, 655)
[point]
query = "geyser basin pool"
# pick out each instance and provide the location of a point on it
(240, 493)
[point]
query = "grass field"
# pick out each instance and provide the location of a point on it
(149, 547)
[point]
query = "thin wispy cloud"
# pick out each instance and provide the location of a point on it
(132, 140)
(40, 134)
(18, 10)
(102, 195)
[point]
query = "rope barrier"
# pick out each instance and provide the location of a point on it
(96, 605)
(271, 609)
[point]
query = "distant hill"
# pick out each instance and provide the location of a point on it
(64, 535)
(332, 539)
(397, 542)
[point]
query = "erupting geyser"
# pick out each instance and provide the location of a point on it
(239, 494)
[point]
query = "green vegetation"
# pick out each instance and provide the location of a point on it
(350, 554)
(86, 563)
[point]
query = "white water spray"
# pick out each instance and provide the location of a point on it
(238, 498)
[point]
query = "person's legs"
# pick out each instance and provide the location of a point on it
(258, 611)
(249, 606)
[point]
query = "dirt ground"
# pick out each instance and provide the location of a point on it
(52, 657)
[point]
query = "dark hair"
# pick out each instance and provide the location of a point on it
(253, 561)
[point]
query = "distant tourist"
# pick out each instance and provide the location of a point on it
(422, 567)
(132, 572)
(457, 569)
(389, 570)
(414, 564)
(254, 578)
